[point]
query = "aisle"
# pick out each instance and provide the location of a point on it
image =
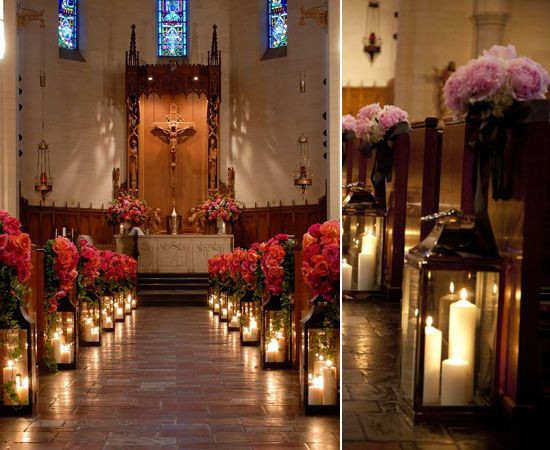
(175, 380)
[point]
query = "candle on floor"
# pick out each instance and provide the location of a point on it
(65, 354)
(119, 313)
(22, 389)
(272, 351)
(234, 322)
(432, 362)
(456, 382)
(330, 389)
(366, 274)
(347, 271)
(315, 390)
(95, 334)
(247, 337)
(462, 329)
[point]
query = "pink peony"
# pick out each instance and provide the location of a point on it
(485, 77)
(348, 123)
(390, 116)
(528, 79)
(369, 112)
(499, 51)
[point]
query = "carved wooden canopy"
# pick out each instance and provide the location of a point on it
(172, 78)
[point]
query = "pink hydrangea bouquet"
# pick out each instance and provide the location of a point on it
(221, 206)
(494, 82)
(321, 259)
(127, 209)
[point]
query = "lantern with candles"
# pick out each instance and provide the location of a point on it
(320, 359)
(223, 302)
(234, 311)
(134, 299)
(90, 324)
(276, 338)
(250, 319)
(18, 360)
(127, 296)
(64, 334)
(108, 313)
(119, 307)
(363, 223)
(450, 314)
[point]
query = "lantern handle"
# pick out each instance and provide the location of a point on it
(449, 213)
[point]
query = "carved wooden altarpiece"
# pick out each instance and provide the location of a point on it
(171, 79)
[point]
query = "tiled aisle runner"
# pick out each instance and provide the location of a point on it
(174, 381)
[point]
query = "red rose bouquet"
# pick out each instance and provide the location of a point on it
(118, 272)
(321, 263)
(127, 209)
(88, 271)
(277, 265)
(61, 269)
(244, 264)
(221, 206)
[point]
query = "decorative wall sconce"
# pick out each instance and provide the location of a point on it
(302, 174)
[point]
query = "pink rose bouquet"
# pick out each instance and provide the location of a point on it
(321, 259)
(61, 269)
(277, 265)
(127, 209)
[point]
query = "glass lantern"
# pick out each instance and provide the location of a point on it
(64, 337)
(134, 299)
(127, 296)
(224, 300)
(449, 320)
(319, 362)
(89, 324)
(276, 339)
(18, 360)
(108, 313)
(250, 318)
(211, 298)
(233, 312)
(119, 307)
(363, 243)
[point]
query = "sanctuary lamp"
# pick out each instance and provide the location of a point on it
(108, 313)
(90, 324)
(19, 380)
(450, 318)
(276, 337)
(319, 362)
(250, 319)
(363, 243)
(64, 335)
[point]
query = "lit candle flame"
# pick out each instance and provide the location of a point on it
(463, 294)
(429, 321)
(452, 287)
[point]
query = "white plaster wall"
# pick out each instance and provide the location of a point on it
(268, 112)
(357, 70)
(85, 109)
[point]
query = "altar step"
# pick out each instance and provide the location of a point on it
(172, 289)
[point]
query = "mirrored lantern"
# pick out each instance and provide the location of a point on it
(64, 336)
(134, 299)
(224, 300)
(276, 339)
(18, 361)
(119, 307)
(108, 313)
(233, 312)
(449, 319)
(250, 319)
(320, 360)
(127, 303)
(89, 324)
(362, 243)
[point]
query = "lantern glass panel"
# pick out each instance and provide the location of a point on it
(277, 338)
(14, 359)
(449, 327)
(134, 299)
(127, 303)
(233, 312)
(107, 313)
(363, 244)
(89, 324)
(224, 299)
(250, 320)
(63, 340)
(119, 308)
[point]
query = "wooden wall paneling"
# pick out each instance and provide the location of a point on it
(396, 195)
(354, 98)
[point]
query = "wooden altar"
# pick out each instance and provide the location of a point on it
(173, 114)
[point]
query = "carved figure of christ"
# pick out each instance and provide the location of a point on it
(176, 130)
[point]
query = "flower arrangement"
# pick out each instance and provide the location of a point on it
(61, 263)
(127, 209)
(373, 123)
(88, 271)
(495, 81)
(214, 269)
(321, 259)
(277, 265)
(15, 267)
(244, 264)
(221, 206)
(117, 272)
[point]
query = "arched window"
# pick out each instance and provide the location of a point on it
(172, 26)
(67, 29)
(277, 23)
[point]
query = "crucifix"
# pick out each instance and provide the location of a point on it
(176, 130)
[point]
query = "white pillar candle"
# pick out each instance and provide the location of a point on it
(281, 354)
(246, 334)
(253, 330)
(22, 389)
(346, 275)
(315, 391)
(328, 374)
(8, 375)
(119, 313)
(224, 313)
(444, 308)
(56, 346)
(95, 334)
(456, 382)
(366, 272)
(432, 363)
(65, 357)
(462, 329)
(271, 354)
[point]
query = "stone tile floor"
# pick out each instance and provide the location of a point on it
(170, 377)
(371, 416)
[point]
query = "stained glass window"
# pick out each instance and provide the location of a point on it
(277, 23)
(67, 28)
(172, 23)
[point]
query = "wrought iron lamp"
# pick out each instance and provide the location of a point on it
(372, 44)
(302, 174)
